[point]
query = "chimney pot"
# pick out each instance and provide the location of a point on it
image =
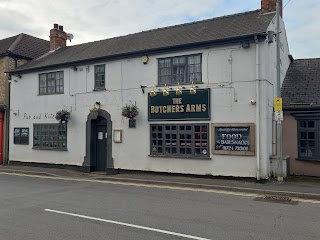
(268, 6)
(58, 38)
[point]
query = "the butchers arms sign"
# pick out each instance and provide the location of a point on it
(180, 107)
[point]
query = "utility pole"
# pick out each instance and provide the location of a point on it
(279, 125)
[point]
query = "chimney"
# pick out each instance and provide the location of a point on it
(58, 38)
(268, 6)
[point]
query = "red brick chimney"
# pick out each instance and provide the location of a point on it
(268, 6)
(58, 38)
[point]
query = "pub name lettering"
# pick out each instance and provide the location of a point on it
(178, 107)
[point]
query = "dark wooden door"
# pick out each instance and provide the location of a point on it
(101, 144)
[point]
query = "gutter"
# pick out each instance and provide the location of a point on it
(246, 38)
(302, 108)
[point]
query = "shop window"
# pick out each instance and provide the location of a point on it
(308, 139)
(183, 69)
(21, 136)
(99, 77)
(51, 83)
(180, 140)
(50, 136)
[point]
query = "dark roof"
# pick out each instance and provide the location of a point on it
(185, 35)
(301, 86)
(24, 46)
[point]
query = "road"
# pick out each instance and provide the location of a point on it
(39, 208)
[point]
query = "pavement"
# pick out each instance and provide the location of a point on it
(295, 186)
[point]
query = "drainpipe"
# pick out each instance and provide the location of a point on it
(1, 136)
(257, 107)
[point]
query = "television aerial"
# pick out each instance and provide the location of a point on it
(70, 36)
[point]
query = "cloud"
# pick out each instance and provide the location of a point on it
(100, 19)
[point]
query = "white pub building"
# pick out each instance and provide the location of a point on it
(195, 98)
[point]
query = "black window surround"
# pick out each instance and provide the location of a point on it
(180, 140)
(51, 83)
(21, 136)
(180, 69)
(52, 136)
(99, 77)
(308, 138)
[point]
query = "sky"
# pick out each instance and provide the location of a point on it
(92, 20)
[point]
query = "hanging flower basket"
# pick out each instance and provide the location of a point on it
(63, 116)
(130, 111)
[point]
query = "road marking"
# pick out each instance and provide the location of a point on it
(157, 186)
(128, 225)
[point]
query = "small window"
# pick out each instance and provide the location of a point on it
(99, 77)
(21, 136)
(183, 69)
(308, 139)
(180, 140)
(50, 136)
(51, 83)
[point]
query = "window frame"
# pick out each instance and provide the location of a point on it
(178, 146)
(20, 136)
(316, 131)
(95, 77)
(186, 74)
(58, 82)
(50, 130)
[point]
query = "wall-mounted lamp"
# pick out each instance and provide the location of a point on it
(165, 91)
(179, 91)
(153, 93)
(245, 44)
(145, 59)
(15, 112)
(193, 89)
(97, 105)
(75, 68)
(142, 88)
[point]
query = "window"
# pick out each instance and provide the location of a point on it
(51, 83)
(50, 136)
(21, 136)
(184, 69)
(99, 77)
(180, 140)
(308, 139)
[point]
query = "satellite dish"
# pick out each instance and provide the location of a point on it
(69, 36)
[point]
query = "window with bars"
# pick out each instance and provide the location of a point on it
(99, 77)
(21, 136)
(50, 136)
(308, 139)
(183, 69)
(180, 140)
(51, 83)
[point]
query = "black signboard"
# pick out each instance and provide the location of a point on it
(180, 107)
(237, 139)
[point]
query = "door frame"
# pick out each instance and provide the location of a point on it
(88, 164)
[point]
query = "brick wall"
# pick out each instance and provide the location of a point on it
(3, 68)
(6, 64)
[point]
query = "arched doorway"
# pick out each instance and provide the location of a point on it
(98, 143)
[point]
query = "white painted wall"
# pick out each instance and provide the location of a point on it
(268, 86)
(229, 72)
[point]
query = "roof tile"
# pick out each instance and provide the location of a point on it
(221, 28)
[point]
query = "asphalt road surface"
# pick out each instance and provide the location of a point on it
(38, 209)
